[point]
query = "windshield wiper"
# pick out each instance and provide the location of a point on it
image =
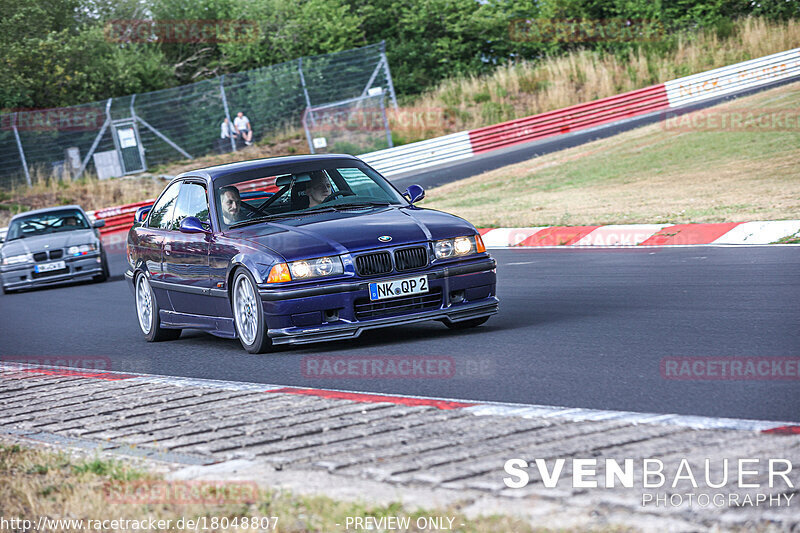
(363, 204)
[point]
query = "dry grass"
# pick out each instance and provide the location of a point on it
(647, 175)
(88, 192)
(35, 483)
(528, 88)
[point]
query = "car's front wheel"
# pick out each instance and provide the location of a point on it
(248, 314)
(104, 274)
(147, 312)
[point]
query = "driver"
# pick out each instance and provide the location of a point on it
(231, 203)
(318, 189)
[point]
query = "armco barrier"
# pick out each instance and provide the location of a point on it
(733, 79)
(419, 155)
(573, 118)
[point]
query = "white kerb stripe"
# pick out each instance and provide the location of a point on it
(504, 237)
(620, 235)
(765, 232)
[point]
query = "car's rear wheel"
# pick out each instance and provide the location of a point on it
(248, 314)
(466, 324)
(147, 313)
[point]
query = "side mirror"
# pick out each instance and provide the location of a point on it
(99, 223)
(193, 225)
(141, 213)
(415, 193)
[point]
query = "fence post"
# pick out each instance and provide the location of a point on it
(305, 90)
(386, 124)
(106, 124)
(138, 137)
(21, 151)
(388, 74)
(227, 112)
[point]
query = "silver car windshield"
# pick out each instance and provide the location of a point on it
(45, 223)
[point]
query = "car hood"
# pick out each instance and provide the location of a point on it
(353, 231)
(53, 241)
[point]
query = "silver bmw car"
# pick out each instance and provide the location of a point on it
(50, 246)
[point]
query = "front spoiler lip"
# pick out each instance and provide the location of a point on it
(459, 313)
(352, 286)
(62, 278)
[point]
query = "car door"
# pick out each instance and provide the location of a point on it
(151, 241)
(186, 254)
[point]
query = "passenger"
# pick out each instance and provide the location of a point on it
(318, 189)
(231, 204)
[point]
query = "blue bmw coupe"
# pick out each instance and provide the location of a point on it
(301, 249)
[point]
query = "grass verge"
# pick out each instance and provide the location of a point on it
(653, 174)
(35, 483)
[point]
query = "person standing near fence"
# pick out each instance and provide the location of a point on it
(243, 128)
(226, 132)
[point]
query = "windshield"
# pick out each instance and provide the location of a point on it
(304, 193)
(44, 223)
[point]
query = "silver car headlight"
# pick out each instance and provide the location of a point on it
(83, 249)
(18, 259)
(315, 268)
(459, 246)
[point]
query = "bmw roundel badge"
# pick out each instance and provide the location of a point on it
(385, 238)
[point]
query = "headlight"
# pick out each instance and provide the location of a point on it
(314, 268)
(18, 259)
(311, 268)
(459, 246)
(83, 249)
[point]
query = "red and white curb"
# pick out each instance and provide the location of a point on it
(478, 408)
(726, 233)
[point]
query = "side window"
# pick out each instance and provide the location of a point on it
(192, 202)
(161, 214)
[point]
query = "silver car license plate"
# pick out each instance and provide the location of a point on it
(381, 290)
(48, 267)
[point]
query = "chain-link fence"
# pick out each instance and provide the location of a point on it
(127, 134)
(353, 126)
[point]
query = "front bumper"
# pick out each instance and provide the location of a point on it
(330, 312)
(15, 277)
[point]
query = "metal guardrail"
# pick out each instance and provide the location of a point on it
(573, 118)
(734, 78)
(423, 154)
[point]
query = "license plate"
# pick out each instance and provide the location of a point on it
(398, 287)
(47, 267)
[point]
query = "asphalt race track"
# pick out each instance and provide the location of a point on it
(578, 328)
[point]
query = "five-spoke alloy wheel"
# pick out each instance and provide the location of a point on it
(248, 314)
(147, 313)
